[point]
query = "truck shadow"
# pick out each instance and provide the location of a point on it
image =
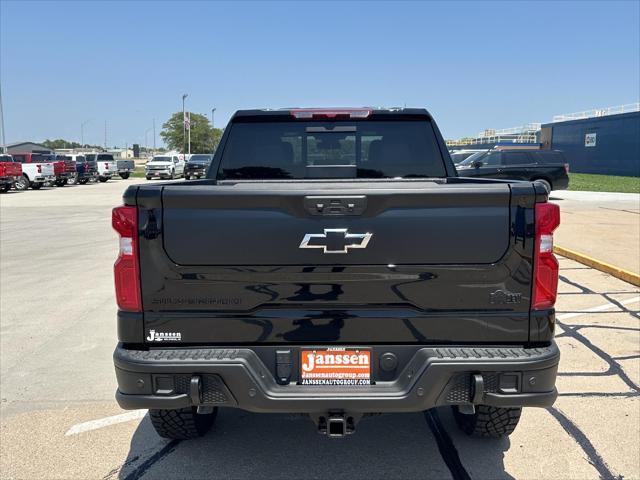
(246, 445)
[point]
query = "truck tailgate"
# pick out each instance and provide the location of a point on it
(224, 263)
(240, 225)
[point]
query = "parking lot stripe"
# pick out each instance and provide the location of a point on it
(599, 308)
(105, 422)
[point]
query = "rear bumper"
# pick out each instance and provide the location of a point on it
(43, 178)
(236, 377)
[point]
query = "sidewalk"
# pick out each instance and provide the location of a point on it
(605, 226)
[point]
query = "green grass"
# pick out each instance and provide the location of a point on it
(138, 173)
(603, 183)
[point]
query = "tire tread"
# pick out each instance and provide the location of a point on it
(492, 422)
(181, 424)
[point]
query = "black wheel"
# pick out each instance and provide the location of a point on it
(544, 183)
(58, 183)
(103, 179)
(36, 186)
(182, 424)
(493, 422)
(83, 181)
(148, 177)
(22, 183)
(124, 175)
(73, 180)
(5, 188)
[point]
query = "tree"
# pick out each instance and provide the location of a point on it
(204, 138)
(62, 143)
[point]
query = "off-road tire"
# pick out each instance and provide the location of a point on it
(493, 422)
(182, 424)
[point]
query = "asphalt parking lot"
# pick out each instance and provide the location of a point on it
(59, 418)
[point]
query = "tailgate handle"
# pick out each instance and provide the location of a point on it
(335, 205)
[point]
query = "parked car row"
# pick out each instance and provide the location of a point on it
(547, 167)
(174, 166)
(34, 170)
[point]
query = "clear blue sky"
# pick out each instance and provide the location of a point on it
(473, 65)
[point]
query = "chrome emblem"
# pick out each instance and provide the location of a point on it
(335, 240)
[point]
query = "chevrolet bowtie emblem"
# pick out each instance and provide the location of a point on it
(335, 240)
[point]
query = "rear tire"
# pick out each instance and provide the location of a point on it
(491, 422)
(22, 183)
(545, 183)
(36, 186)
(148, 177)
(103, 179)
(83, 181)
(124, 176)
(182, 424)
(5, 188)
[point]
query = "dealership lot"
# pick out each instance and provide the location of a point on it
(59, 418)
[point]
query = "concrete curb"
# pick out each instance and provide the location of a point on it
(621, 273)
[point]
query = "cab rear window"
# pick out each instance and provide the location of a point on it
(347, 149)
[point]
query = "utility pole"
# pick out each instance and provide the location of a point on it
(184, 125)
(146, 144)
(3, 145)
(189, 115)
(82, 132)
(213, 110)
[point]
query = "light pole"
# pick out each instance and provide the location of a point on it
(184, 125)
(154, 135)
(146, 145)
(213, 110)
(82, 132)
(3, 146)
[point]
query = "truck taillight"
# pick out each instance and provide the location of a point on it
(127, 269)
(545, 264)
(106, 166)
(39, 168)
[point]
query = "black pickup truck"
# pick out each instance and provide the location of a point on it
(547, 167)
(333, 263)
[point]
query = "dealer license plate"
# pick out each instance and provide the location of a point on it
(335, 366)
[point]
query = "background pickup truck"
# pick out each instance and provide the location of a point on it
(64, 168)
(547, 167)
(105, 164)
(10, 171)
(125, 168)
(332, 263)
(36, 170)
